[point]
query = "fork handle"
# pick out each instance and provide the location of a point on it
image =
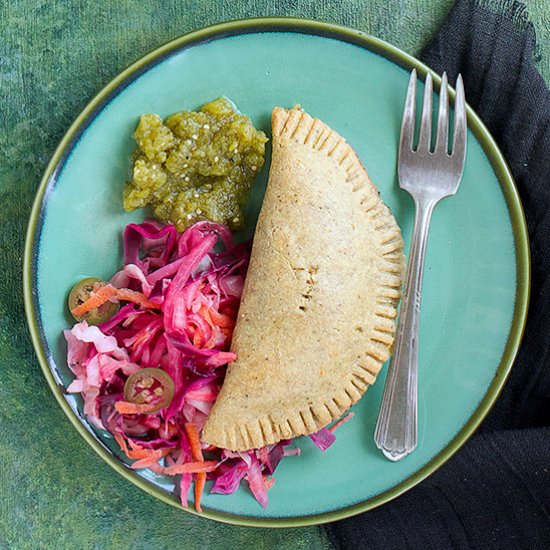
(396, 429)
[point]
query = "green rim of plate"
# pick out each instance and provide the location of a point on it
(303, 26)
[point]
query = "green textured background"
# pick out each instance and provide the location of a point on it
(55, 492)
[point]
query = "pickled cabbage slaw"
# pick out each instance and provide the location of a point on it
(180, 296)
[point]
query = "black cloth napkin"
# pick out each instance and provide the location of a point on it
(495, 492)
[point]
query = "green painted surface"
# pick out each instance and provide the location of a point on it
(54, 490)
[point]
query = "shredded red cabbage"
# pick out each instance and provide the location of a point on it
(198, 289)
(324, 438)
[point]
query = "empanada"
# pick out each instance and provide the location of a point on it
(317, 317)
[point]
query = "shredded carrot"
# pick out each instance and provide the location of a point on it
(125, 407)
(216, 318)
(205, 312)
(145, 458)
(142, 453)
(97, 298)
(127, 295)
(268, 482)
(341, 421)
(203, 467)
(145, 462)
(194, 441)
(200, 482)
(104, 293)
(138, 453)
(214, 338)
(156, 468)
(197, 340)
(221, 319)
(122, 442)
(196, 451)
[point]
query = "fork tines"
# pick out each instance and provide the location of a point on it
(458, 147)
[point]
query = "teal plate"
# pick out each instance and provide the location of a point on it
(477, 271)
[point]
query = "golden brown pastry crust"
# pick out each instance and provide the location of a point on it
(316, 321)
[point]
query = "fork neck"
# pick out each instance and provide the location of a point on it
(422, 218)
(423, 212)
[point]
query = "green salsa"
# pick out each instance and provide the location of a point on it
(196, 165)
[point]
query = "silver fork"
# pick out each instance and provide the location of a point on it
(428, 176)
